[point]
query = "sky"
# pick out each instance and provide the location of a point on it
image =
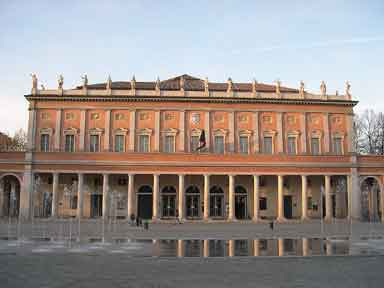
(289, 41)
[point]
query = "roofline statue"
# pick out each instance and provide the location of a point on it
(34, 81)
(60, 82)
(85, 80)
(323, 88)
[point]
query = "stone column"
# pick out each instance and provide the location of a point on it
(280, 247)
(231, 248)
(80, 195)
(132, 131)
(206, 196)
(2, 196)
(55, 191)
(105, 195)
(349, 196)
(304, 133)
(231, 130)
(231, 202)
(157, 131)
(304, 199)
(130, 204)
(356, 195)
(205, 248)
(256, 145)
(328, 198)
(280, 198)
(326, 133)
(305, 246)
(181, 197)
(256, 201)
(280, 133)
(59, 113)
(82, 130)
(182, 131)
(107, 134)
(31, 143)
(256, 247)
(155, 203)
(207, 131)
(26, 192)
(180, 248)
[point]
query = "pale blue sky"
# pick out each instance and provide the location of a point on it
(267, 40)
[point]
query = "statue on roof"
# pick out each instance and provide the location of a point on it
(254, 83)
(347, 88)
(323, 88)
(182, 83)
(133, 83)
(85, 80)
(206, 84)
(42, 87)
(34, 81)
(60, 81)
(230, 85)
(157, 85)
(109, 83)
(278, 85)
(301, 89)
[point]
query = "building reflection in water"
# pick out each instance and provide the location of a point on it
(249, 248)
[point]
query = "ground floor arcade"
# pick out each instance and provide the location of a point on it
(192, 197)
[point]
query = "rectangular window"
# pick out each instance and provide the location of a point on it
(291, 145)
(243, 143)
(119, 143)
(94, 143)
(315, 146)
(169, 144)
(73, 202)
(219, 144)
(267, 145)
(195, 141)
(263, 203)
(144, 143)
(44, 143)
(69, 143)
(337, 146)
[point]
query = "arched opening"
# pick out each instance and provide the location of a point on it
(144, 202)
(216, 202)
(10, 196)
(370, 200)
(241, 200)
(168, 201)
(192, 202)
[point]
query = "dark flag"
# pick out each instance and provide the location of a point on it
(202, 142)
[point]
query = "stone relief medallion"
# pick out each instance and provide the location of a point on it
(144, 116)
(195, 118)
(315, 119)
(169, 116)
(219, 118)
(267, 119)
(291, 119)
(119, 116)
(69, 116)
(243, 118)
(95, 116)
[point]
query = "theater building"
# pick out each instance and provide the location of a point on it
(117, 149)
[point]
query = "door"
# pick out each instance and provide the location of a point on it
(96, 205)
(144, 206)
(241, 206)
(288, 207)
(192, 204)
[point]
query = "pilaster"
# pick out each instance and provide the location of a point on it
(59, 113)
(304, 133)
(231, 134)
(82, 130)
(256, 145)
(132, 130)
(326, 133)
(157, 131)
(107, 134)
(207, 131)
(280, 133)
(182, 131)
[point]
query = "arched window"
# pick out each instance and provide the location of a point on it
(216, 190)
(168, 190)
(192, 190)
(146, 189)
(240, 190)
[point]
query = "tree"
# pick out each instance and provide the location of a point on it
(18, 141)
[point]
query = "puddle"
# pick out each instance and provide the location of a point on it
(171, 248)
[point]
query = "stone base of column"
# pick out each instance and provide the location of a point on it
(257, 219)
(328, 219)
(155, 220)
(281, 219)
(305, 219)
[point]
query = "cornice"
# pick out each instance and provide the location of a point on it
(229, 100)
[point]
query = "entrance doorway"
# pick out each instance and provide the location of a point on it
(168, 201)
(241, 200)
(11, 196)
(96, 205)
(144, 202)
(192, 202)
(288, 207)
(216, 203)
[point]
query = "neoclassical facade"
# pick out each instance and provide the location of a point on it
(118, 149)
